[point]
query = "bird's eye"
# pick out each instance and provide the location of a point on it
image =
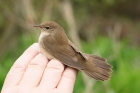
(47, 27)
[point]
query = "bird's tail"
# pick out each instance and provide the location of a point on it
(97, 67)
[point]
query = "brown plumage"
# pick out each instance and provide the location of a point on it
(55, 44)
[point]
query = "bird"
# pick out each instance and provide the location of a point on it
(54, 44)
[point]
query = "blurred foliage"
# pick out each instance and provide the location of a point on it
(110, 28)
(125, 76)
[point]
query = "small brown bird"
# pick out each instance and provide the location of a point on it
(54, 44)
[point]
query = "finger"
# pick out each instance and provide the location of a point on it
(17, 70)
(34, 72)
(67, 81)
(52, 75)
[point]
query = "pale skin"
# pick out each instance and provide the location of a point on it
(34, 73)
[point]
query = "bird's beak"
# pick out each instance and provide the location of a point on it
(37, 26)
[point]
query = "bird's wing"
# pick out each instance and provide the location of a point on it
(65, 53)
(77, 50)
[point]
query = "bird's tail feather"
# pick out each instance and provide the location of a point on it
(97, 67)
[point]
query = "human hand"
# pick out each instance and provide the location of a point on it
(34, 73)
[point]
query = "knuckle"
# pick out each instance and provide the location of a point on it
(19, 66)
(39, 61)
(55, 64)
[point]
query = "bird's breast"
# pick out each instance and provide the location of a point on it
(45, 52)
(42, 49)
